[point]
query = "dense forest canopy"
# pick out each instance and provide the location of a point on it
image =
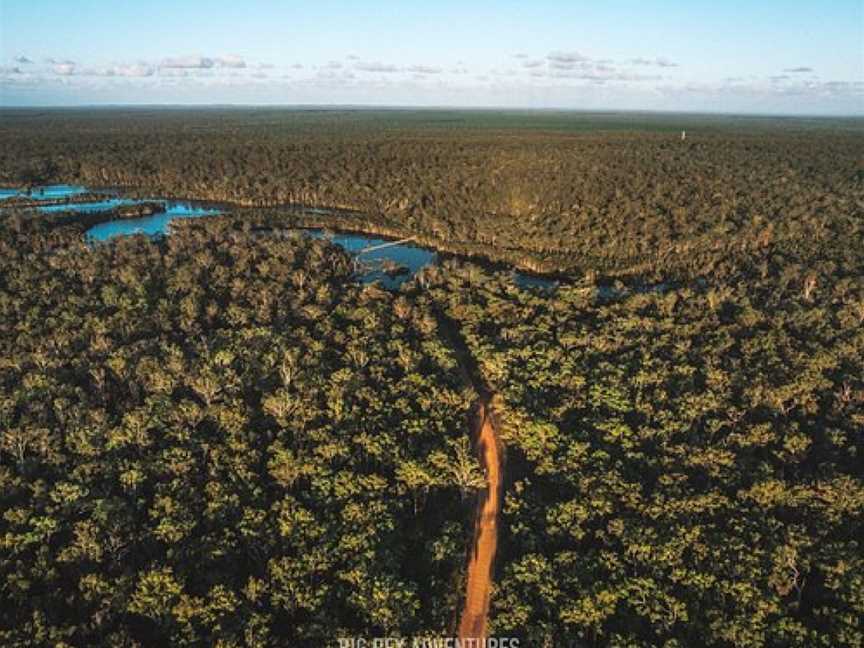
(686, 466)
(615, 194)
(220, 437)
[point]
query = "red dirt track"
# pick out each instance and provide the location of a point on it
(479, 581)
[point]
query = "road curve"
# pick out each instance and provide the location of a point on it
(478, 586)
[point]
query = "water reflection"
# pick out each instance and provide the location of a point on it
(391, 265)
(89, 207)
(150, 225)
(44, 192)
(404, 259)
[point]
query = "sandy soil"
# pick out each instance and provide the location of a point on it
(479, 582)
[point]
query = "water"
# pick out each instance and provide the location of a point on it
(408, 256)
(48, 191)
(89, 207)
(150, 225)
(404, 255)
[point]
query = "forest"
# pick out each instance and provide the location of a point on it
(565, 193)
(222, 437)
(684, 467)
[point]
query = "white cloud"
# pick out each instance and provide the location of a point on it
(188, 62)
(135, 70)
(598, 75)
(376, 67)
(230, 61)
(519, 78)
(425, 69)
(566, 60)
(65, 69)
(203, 62)
(656, 62)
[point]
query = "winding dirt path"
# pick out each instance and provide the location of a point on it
(479, 582)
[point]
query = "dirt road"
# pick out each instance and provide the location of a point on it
(479, 582)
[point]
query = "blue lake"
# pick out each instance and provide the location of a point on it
(150, 225)
(89, 207)
(370, 264)
(48, 191)
(409, 256)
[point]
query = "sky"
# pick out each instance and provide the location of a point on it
(737, 56)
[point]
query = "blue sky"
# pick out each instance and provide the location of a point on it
(735, 56)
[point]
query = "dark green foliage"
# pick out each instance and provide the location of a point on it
(686, 466)
(219, 437)
(609, 194)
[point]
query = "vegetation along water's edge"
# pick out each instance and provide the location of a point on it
(222, 437)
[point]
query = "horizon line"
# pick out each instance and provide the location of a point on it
(431, 107)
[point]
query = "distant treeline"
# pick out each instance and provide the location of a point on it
(617, 195)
